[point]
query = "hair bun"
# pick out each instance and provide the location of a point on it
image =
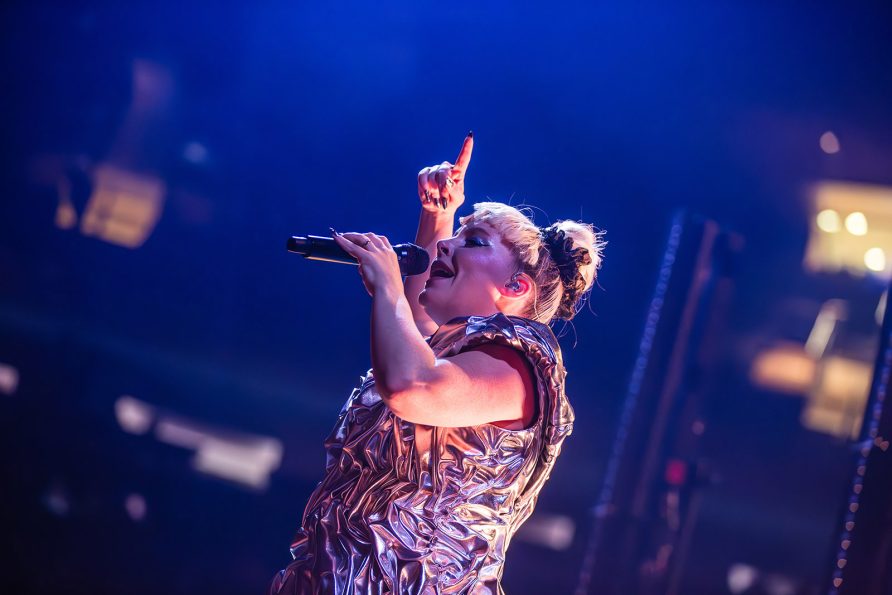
(570, 261)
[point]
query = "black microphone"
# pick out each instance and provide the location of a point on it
(413, 259)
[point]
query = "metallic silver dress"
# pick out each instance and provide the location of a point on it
(388, 518)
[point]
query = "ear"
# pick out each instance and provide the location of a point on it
(524, 287)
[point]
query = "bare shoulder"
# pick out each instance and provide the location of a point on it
(486, 383)
(507, 372)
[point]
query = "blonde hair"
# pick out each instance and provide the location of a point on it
(552, 298)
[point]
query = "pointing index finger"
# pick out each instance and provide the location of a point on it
(464, 156)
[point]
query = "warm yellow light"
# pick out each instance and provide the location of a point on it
(828, 220)
(856, 223)
(875, 260)
(829, 143)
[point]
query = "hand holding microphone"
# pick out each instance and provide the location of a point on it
(379, 266)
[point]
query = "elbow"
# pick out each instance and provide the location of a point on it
(404, 396)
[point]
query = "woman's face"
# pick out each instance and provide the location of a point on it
(468, 276)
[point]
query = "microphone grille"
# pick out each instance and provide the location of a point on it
(416, 261)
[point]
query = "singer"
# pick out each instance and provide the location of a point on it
(439, 454)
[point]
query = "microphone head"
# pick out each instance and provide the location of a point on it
(413, 259)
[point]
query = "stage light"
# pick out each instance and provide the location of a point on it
(243, 458)
(785, 367)
(553, 531)
(136, 508)
(875, 260)
(867, 213)
(9, 379)
(66, 214)
(124, 206)
(698, 427)
(195, 153)
(741, 577)
(57, 501)
(779, 585)
(829, 143)
(247, 462)
(837, 398)
(832, 312)
(828, 220)
(134, 416)
(856, 223)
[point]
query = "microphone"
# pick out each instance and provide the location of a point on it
(414, 260)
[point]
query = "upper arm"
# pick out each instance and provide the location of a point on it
(484, 384)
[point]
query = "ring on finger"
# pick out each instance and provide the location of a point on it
(450, 182)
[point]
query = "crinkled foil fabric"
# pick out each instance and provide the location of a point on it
(390, 518)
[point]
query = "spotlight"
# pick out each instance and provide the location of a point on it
(828, 220)
(9, 379)
(829, 143)
(856, 224)
(136, 508)
(875, 260)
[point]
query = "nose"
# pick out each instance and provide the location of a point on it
(443, 248)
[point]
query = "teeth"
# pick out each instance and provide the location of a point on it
(441, 271)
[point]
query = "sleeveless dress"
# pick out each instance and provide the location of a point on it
(389, 519)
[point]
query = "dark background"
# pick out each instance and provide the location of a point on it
(313, 115)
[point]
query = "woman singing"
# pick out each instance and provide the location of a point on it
(439, 454)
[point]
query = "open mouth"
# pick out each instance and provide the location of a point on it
(440, 271)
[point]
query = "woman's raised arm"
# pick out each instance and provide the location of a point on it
(441, 190)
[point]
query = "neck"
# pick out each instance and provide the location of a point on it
(442, 318)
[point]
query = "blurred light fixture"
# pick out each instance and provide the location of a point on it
(832, 312)
(875, 260)
(784, 368)
(247, 459)
(554, 531)
(243, 458)
(195, 153)
(66, 213)
(741, 577)
(835, 387)
(135, 505)
(837, 398)
(9, 379)
(828, 220)
(134, 416)
(829, 143)
(856, 224)
(831, 252)
(124, 206)
(57, 500)
(249, 462)
(775, 584)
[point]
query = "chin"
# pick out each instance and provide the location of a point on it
(432, 309)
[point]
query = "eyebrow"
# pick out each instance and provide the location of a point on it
(475, 228)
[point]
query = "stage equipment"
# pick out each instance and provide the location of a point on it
(862, 560)
(644, 518)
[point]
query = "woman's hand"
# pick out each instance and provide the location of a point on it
(442, 187)
(378, 264)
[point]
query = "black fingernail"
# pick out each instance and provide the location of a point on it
(444, 203)
(333, 232)
(471, 133)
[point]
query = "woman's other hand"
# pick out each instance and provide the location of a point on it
(442, 187)
(378, 264)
